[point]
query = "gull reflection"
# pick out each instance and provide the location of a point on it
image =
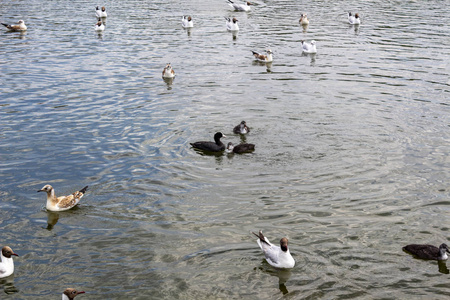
(283, 276)
(234, 34)
(8, 285)
(169, 82)
(52, 219)
(269, 67)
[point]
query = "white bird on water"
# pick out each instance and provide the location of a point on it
(278, 257)
(99, 26)
(262, 57)
(63, 202)
(232, 24)
(240, 7)
(304, 20)
(354, 19)
(168, 72)
(20, 26)
(70, 293)
(7, 263)
(101, 13)
(309, 47)
(187, 22)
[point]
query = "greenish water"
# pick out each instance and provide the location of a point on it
(351, 161)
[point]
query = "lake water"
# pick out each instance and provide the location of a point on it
(351, 162)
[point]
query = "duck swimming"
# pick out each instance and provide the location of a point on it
(241, 128)
(216, 146)
(428, 251)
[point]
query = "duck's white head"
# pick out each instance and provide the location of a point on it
(230, 147)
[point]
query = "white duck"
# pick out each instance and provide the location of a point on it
(309, 47)
(240, 7)
(63, 202)
(262, 57)
(101, 13)
(354, 20)
(232, 24)
(304, 20)
(187, 22)
(99, 26)
(168, 72)
(7, 263)
(20, 26)
(278, 257)
(70, 293)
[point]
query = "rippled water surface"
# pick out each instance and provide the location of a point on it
(351, 161)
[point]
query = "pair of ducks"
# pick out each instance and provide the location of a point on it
(218, 146)
(100, 13)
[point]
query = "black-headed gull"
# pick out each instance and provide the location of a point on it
(240, 6)
(278, 257)
(168, 72)
(428, 251)
(63, 202)
(262, 57)
(70, 293)
(304, 20)
(187, 22)
(241, 128)
(354, 19)
(101, 13)
(7, 263)
(232, 24)
(216, 146)
(241, 148)
(309, 47)
(99, 26)
(20, 26)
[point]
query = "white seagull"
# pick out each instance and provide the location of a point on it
(187, 22)
(262, 57)
(69, 294)
(7, 263)
(99, 26)
(63, 202)
(278, 257)
(309, 47)
(304, 19)
(101, 13)
(232, 24)
(168, 72)
(354, 20)
(240, 7)
(20, 26)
